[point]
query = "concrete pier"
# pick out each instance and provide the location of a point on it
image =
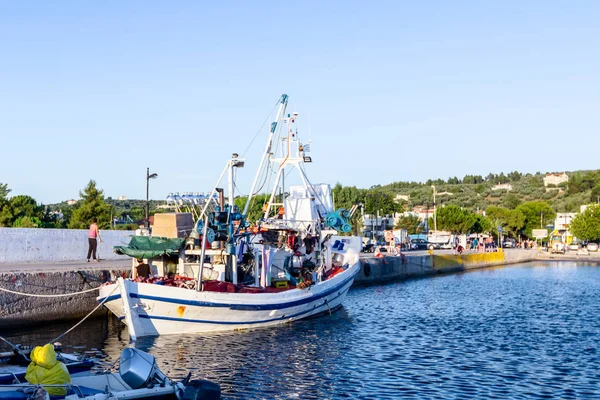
(53, 278)
(382, 269)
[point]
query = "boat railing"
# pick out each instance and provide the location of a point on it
(306, 225)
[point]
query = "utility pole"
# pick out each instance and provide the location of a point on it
(377, 206)
(427, 218)
(434, 210)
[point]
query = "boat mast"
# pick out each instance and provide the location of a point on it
(287, 159)
(282, 106)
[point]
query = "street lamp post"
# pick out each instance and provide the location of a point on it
(148, 177)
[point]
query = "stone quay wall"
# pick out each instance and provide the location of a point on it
(382, 269)
(18, 310)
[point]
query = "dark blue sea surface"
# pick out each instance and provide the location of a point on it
(520, 332)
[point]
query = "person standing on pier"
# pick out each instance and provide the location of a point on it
(93, 238)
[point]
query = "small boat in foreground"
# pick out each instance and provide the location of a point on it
(138, 378)
(13, 364)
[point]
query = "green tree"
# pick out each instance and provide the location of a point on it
(22, 206)
(511, 220)
(455, 219)
(586, 225)
(347, 196)
(482, 224)
(595, 194)
(411, 223)
(91, 205)
(510, 201)
(27, 222)
(376, 200)
(255, 211)
(6, 217)
(4, 191)
(534, 212)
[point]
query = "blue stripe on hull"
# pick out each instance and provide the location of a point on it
(200, 321)
(238, 307)
(284, 317)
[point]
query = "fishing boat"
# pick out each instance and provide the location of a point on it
(138, 378)
(296, 261)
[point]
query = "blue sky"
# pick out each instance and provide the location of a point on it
(397, 90)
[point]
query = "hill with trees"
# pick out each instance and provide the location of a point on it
(461, 203)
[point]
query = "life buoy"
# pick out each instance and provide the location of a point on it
(367, 269)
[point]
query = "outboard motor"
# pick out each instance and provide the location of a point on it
(138, 369)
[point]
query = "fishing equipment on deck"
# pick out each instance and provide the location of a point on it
(339, 220)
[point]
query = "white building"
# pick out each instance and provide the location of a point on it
(71, 202)
(563, 220)
(376, 226)
(555, 178)
(403, 197)
(503, 186)
(418, 211)
(121, 198)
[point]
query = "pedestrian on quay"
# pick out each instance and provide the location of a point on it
(93, 238)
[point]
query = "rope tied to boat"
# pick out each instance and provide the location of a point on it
(49, 295)
(87, 316)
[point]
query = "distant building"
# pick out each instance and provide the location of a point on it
(563, 220)
(404, 197)
(503, 186)
(445, 194)
(420, 212)
(555, 178)
(121, 198)
(71, 202)
(374, 227)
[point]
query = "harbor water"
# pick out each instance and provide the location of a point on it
(522, 331)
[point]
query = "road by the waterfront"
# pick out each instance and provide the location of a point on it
(542, 255)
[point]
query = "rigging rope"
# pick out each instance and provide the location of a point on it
(262, 126)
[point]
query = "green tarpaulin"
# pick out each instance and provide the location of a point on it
(149, 247)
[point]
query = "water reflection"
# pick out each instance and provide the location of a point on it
(520, 332)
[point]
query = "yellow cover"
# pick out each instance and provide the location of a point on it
(45, 369)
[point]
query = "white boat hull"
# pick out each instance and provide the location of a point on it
(151, 310)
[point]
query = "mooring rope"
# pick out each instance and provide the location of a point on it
(86, 317)
(49, 295)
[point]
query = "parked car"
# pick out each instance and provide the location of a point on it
(509, 243)
(558, 247)
(574, 246)
(592, 247)
(419, 244)
(368, 248)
